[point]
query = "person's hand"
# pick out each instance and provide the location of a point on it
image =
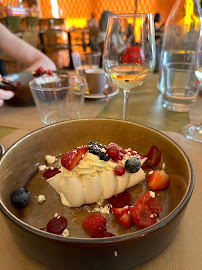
(5, 95)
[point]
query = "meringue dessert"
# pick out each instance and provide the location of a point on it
(94, 179)
(118, 190)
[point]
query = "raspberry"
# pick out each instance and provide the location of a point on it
(95, 225)
(119, 170)
(113, 150)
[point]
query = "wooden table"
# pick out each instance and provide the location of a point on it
(185, 251)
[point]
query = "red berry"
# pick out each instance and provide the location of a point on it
(57, 225)
(142, 215)
(132, 153)
(126, 220)
(49, 72)
(71, 158)
(95, 225)
(50, 173)
(118, 212)
(119, 170)
(121, 156)
(123, 216)
(42, 229)
(18, 83)
(154, 158)
(158, 180)
(113, 150)
(39, 70)
(106, 234)
(121, 200)
(152, 203)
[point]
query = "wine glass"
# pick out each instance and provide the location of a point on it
(194, 131)
(129, 52)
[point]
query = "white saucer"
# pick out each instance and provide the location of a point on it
(113, 92)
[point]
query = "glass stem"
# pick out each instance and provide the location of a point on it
(125, 104)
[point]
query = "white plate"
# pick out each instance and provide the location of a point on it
(113, 92)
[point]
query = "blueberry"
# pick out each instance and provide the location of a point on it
(132, 165)
(20, 197)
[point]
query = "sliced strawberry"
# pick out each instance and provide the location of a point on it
(123, 216)
(50, 173)
(95, 225)
(154, 206)
(154, 158)
(121, 200)
(152, 203)
(145, 197)
(106, 234)
(126, 220)
(158, 180)
(142, 215)
(118, 212)
(71, 158)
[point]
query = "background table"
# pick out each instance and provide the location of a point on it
(185, 251)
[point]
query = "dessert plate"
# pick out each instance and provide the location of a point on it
(112, 92)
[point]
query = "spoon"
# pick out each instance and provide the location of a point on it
(6, 82)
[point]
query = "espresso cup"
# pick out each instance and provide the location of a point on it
(96, 80)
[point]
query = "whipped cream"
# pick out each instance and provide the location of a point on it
(93, 180)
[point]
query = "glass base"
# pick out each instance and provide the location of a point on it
(176, 107)
(193, 132)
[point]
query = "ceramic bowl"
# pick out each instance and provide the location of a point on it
(120, 252)
(20, 82)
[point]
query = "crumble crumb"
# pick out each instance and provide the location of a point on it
(42, 168)
(41, 198)
(65, 233)
(50, 159)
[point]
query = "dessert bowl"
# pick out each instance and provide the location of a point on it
(119, 252)
(19, 84)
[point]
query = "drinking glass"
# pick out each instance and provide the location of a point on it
(129, 52)
(194, 131)
(85, 60)
(59, 97)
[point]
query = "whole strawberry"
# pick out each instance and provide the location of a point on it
(95, 225)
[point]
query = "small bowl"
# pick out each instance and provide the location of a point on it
(120, 252)
(20, 82)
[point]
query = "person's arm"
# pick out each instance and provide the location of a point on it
(23, 52)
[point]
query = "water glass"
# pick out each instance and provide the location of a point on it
(84, 61)
(181, 88)
(58, 97)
